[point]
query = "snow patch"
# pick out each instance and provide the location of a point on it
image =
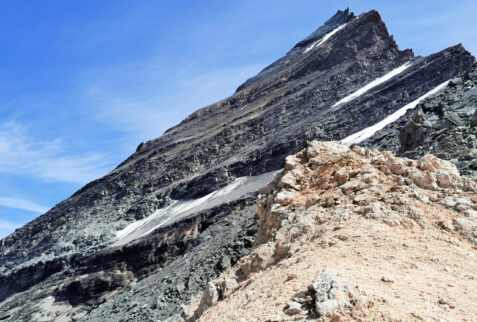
(182, 209)
(324, 38)
(374, 83)
(369, 131)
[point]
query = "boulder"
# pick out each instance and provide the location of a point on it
(331, 294)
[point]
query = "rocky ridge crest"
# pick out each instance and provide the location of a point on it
(330, 197)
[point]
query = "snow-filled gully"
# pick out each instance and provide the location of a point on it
(369, 131)
(323, 39)
(184, 208)
(374, 83)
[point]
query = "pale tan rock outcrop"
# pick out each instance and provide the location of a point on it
(354, 217)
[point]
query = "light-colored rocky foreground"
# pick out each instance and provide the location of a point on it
(355, 235)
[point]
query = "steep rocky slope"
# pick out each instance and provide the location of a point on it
(188, 198)
(444, 125)
(355, 235)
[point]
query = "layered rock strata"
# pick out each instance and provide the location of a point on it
(444, 125)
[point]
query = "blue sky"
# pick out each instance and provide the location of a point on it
(82, 83)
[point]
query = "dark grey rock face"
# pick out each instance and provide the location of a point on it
(66, 263)
(164, 290)
(443, 125)
(334, 22)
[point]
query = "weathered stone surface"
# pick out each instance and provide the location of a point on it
(367, 186)
(227, 286)
(325, 296)
(367, 244)
(331, 295)
(294, 308)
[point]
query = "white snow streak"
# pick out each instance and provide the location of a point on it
(324, 38)
(182, 209)
(369, 131)
(374, 83)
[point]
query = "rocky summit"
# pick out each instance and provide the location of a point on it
(143, 242)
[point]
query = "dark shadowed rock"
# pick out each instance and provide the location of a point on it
(442, 125)
(415, 131)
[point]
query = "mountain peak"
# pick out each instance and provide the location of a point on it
(340, 18)
(343, 37)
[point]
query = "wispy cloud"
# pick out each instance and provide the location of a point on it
(6, 225)
(147, 112)
(6, 228)
(45, 159)
(22, 204)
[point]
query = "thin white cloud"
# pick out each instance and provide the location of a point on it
(22, 204)
(6, 225)
(24, 156)
(147, 112)
(6, 228)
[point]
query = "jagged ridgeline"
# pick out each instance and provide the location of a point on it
(146, 238)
